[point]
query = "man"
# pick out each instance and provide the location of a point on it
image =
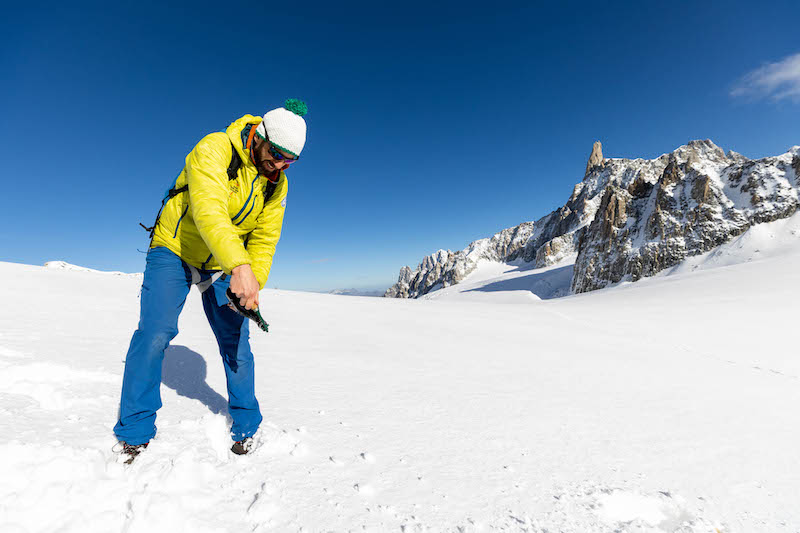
(217, 228)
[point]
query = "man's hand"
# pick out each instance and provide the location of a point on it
(245, 286)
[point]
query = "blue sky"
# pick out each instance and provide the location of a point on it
(430, 125)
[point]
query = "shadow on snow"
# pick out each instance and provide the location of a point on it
(185, 371)
(549, 284)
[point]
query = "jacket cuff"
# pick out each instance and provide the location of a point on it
(237, 261)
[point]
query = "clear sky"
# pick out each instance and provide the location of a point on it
(430, 125)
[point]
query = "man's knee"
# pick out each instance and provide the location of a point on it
(155, 337)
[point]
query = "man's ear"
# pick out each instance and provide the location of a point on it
(257, 146)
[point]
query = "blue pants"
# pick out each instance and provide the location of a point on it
(167, 280)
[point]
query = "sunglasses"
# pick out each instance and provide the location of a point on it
(280, 157)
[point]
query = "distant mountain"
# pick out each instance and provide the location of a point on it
(631, 218)
(356, 292)
(61, 265)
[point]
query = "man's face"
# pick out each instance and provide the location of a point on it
(264, 161)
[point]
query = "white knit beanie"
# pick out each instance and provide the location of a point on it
(285, 127)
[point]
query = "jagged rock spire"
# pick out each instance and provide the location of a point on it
(595, 158)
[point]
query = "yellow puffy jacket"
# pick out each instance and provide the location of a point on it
(219, 224)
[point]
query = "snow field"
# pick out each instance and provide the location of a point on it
(664, 405)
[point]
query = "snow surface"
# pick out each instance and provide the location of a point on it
(516, 282)
(669, 404)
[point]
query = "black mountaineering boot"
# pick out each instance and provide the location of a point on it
(132, 450)
(242, 447)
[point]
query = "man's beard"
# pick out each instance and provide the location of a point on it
(267, 167)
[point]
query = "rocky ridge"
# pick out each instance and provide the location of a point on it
(631, 218)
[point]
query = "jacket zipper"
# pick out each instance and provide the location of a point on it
(251, 210)
(185, 209)
(252, 186)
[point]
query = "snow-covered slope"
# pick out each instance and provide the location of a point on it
(665, 405)
(519, 281)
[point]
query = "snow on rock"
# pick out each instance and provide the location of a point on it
(445, 268)
(699, 200)
(631, 218)
(521, 282)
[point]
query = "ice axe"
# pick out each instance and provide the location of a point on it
(252, 314)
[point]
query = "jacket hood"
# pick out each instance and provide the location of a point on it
(234, 133)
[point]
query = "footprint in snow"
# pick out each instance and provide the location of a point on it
(299, 450)
(364, 489)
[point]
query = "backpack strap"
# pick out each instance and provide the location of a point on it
(233, 171)
(269, 189)
(235, 164)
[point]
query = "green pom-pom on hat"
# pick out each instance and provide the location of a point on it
(285, 126)
(298, 107)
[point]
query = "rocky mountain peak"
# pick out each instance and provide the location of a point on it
(701, 150)
(631, 218)
(595, 158)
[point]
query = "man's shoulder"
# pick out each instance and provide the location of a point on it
(214, 147)
(217, 138)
